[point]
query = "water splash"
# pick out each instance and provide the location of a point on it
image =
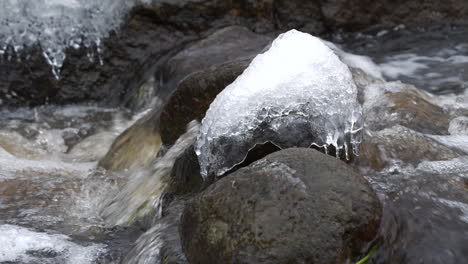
(23, 245)
(142, 194)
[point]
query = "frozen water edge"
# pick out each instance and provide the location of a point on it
(23, 245)
(56, 25)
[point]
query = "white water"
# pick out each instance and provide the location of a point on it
(46, 195)
(143, 193)
(23, 245)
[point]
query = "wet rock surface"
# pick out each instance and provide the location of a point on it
(398, 103)
(194, 95)
(293, 206)
(136, 147)
(355, 14)
(398, 142)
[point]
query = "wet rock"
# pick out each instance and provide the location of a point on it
(200, 72)
(353, 14)
(20, 147)
(401, 143)
(199, 15)
(388, 104)
(161, 243)
(136, 146)
(185, 175)
(194, 96)
(224, 45)
(293, 206)
(302, 15)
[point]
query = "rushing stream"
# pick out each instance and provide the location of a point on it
(56, 207)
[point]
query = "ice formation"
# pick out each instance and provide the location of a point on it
(58, 24)
(298, 93)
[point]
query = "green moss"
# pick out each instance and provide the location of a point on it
(369, 254)
(141, 207)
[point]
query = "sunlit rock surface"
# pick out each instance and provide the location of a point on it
(298, 93)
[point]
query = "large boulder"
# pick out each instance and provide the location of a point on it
(293, 206)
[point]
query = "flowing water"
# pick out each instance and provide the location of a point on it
(56, 207)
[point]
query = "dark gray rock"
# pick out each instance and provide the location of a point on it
(222, 46)
(185, 174)
(303, 15)
(293, 206)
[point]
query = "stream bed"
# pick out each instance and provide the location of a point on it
(51, 192)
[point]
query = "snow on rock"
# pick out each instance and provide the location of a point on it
(296, 94)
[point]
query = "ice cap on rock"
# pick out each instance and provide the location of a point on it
(296, 94)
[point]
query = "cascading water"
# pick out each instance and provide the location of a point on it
(143, 193)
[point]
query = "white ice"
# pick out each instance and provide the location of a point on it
(58, 24)
(297, 93)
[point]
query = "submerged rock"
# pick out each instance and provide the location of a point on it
(141, 199)
(379, 148)
(136, 147)
(293, 206)
(388, 104)
(298, 93)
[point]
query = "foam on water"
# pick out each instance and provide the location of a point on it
(357, 61)
(56, 25)
(298, 86)
(436, 71)
(19, 244)
(457, 142)
(459, 126)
